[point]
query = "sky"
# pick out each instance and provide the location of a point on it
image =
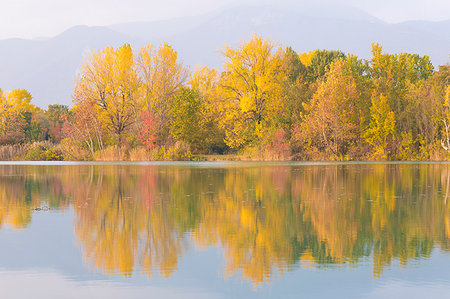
(43, 18)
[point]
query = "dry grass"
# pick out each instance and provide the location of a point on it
(73, 151)
(13, 152)
(112, 153)
(264, 154)
(140, 154)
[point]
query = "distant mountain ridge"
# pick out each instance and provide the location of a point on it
(47, 67)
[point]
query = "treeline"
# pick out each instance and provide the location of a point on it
(268, 103)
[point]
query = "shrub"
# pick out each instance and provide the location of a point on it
(44, 151)
(180, 151)
(73, 151)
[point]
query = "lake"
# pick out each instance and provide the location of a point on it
(224, 230)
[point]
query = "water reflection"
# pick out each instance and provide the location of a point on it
(267, 219)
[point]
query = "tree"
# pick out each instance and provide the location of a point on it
(293, 65)
(444, 76)
(57, 115)
(252, 83)
(186, 113)
(14, 131)
(20, 101)
(148, 131)
(205, 82)
(109, 81)
(321, 61)
(162, 75)
(393, 75)
(381, 131)
(20, 120)
(86, 127)
(332, 118)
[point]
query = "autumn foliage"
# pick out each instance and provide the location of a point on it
(267, 102)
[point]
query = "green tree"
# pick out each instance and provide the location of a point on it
(56, 115)
(321, 61)
(186, 113)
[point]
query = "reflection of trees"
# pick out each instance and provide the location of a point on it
(267, 219)
(123, 223)
(391, 211)
(23, 188)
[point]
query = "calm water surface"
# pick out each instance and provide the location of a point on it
(215, 230)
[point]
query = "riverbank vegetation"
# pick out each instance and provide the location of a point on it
(267, 103)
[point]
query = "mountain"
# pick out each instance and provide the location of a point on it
(47, 67)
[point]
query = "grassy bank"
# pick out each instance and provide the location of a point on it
(47, 151)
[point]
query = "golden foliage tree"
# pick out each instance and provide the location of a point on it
(109, 81)
(252, 83)
(162, 75)
(382, 128)
(332, 117)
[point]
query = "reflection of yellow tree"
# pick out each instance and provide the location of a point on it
(21, 192)
(267, 219)
(120, 224)
(394, 211)
(248, 216)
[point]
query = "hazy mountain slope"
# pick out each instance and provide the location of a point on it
(305, 30)
(160, 30)
(47, 67)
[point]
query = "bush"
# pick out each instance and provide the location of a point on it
(73, 151)
(44, 151)
(275, 147)
(180, 151)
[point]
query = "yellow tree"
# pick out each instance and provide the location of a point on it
(382, 128)
(20, 101)
(109, 81)
(306, 57)
(3, 111)
(15, 106)
(252, 83)
(394, 75)
(162, 75)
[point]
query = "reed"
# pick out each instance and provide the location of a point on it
(13, 152)
(112, 153)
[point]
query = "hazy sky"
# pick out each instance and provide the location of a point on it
(37, 18)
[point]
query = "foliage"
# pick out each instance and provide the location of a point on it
(109, 84)
(252, 82)
(331, 122)
(178, 152)
(381, 131)
(43, 151)
(148, 132)
(187, 122)
(269, 103)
